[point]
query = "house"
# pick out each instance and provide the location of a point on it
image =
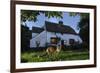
(36, 31)
(54, 33)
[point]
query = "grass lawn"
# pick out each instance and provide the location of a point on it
(62, 56)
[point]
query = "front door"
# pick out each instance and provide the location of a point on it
(62, 42)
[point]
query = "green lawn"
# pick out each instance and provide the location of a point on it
(62, 56)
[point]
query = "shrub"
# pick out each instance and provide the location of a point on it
(82, 46)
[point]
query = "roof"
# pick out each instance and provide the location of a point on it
(37, 29)
(24, 27)
(54, 27)
(60, 28)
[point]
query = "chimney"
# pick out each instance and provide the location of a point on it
(61, 22)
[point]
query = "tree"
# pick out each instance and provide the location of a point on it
(84, 19)
(25, 38)
(84, 31)
(31, 15)
(83, 25)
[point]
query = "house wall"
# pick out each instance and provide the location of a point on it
(65, 37)
(44, 37)
(34, 34)
(40, 38)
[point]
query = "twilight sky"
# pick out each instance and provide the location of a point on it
(71, 21)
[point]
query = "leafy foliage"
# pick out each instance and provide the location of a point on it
(25, 38)
(31, 15)
(84, 29)
(83, 25)
(84, 21)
